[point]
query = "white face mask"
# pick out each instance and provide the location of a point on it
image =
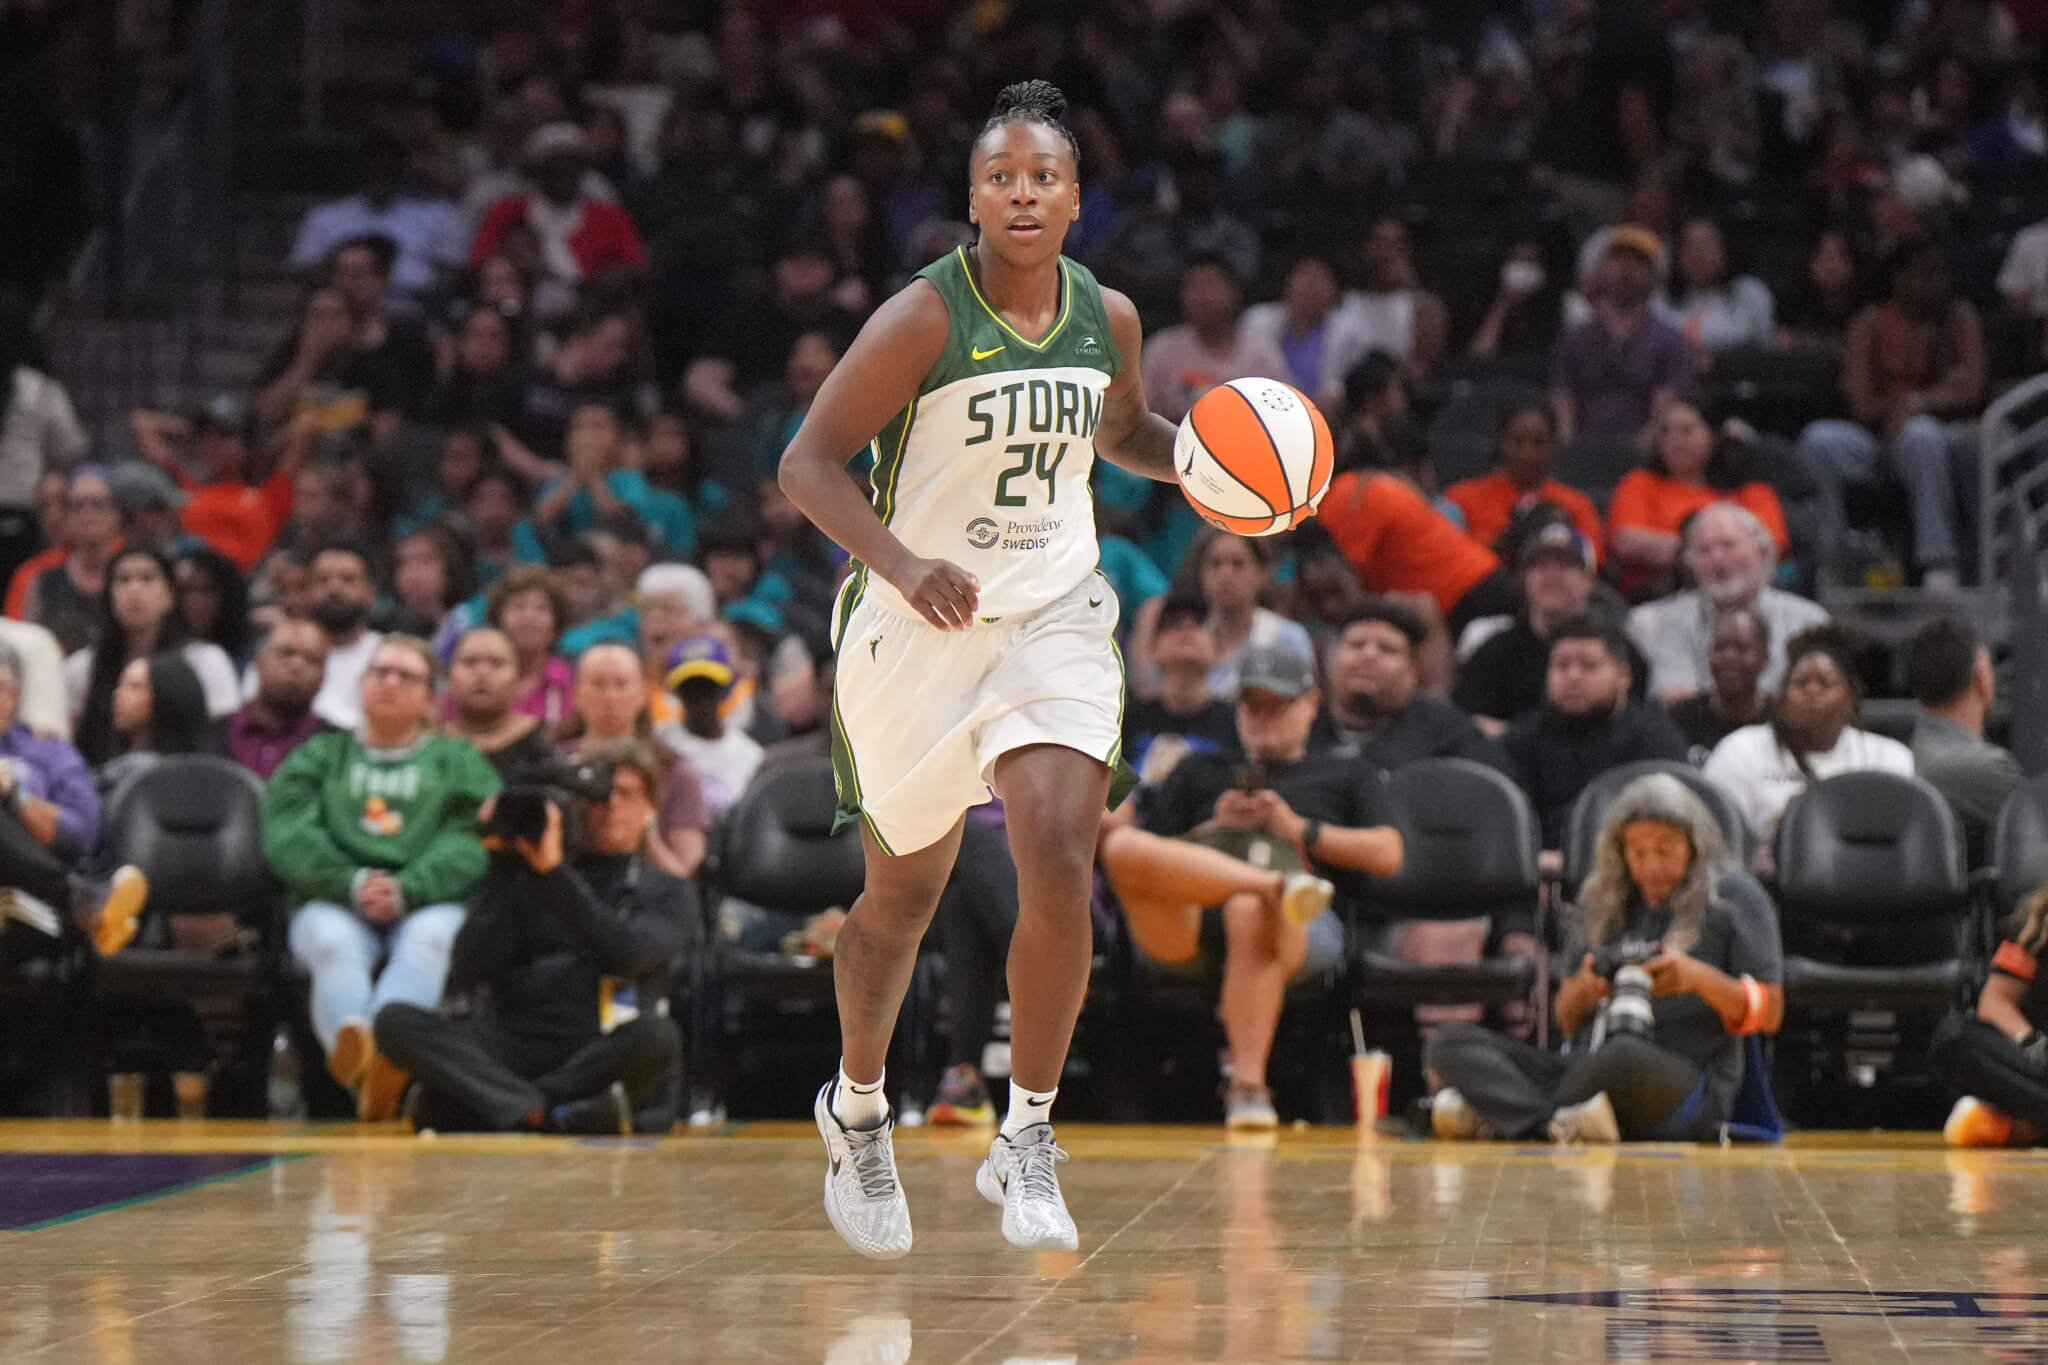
(1521, 277)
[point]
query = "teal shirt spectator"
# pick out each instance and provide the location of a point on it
(425, 512)
(620, 628)
(1132, 577)
(669, 522)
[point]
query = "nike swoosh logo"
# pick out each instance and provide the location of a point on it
(980, 354)
(1094, 601)
(835, 1165)
(1037, 1104)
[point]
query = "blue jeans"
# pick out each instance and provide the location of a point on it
(341, 949)
(1922, 456)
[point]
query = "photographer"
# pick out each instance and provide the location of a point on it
(559, 945)
(1996, 1060)
(1678, 959)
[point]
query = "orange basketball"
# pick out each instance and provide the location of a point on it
(1254, 456)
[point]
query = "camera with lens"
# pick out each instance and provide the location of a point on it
(1631, 1006)
(522, 808)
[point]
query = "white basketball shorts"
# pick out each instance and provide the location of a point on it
(920, 715)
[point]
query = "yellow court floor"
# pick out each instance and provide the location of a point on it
(160, 1242)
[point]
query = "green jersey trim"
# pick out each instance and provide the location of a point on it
(1066, 302)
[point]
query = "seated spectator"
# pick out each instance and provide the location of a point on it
(1711, 306)
(1736, 655)
(1949, 672)
(611, 706)
(1913, 362)
(1505, 659)
(482, 372)
(594, 574)
(149, 504)
(328, 499)
(499, 536)
(595, 484)
(63, 597)
(1186, 716)
(701, 675)
(43, 707)
(341, 595)
(1816, 318)
(1521, 324)
(582, 239)
(374, 833)
(1587, 723)
(774, 411)
(1613, 372)
(49, 823)
(1731, 556)
(1209, 346)
(1393, 312)
(1399, 543)
(426, 231)
(1317, 340)
(465, 452)
(1689, 469)
(1230, 573)
(48, 524)
(527, 604)
(159, 709)
(1258, 918)
(596, 362)
(138, 617)
(213, 601)
(1811, 735)
(431, 587)
(483, 685)
(350, 359)
(2023, 277)
(39, 430)
(1663, 889)
(279, 717)
(1378, 712)
(672, 464)
(736, 361)
(675, 602)
(1521, 481)
(568, 954)
(1995, 1061)
(222, 508)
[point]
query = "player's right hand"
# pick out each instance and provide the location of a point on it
(942, 593)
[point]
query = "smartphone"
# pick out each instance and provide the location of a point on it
(1251, 777)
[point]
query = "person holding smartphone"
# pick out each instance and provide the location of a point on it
(1251, 910)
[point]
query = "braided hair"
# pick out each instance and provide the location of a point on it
(2032, 932)
(1033, 102)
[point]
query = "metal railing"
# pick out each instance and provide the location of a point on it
(2012, 530)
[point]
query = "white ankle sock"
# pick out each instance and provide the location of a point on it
(857, 1105)
(1026, 1108)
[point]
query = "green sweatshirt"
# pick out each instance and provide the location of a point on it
(336, 808)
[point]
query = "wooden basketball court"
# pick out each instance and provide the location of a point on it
(139, 1243)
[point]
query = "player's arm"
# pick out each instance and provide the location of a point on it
(876, 379)
(1131, 435)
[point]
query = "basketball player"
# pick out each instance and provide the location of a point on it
(976, 640)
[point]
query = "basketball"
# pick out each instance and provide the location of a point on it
(1254, 456)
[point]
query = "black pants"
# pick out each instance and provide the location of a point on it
(1977, 1058)
(1515, 1088)
(977, 914)
(28, 866)
(475, 1076)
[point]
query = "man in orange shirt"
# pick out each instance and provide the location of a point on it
(1399, 543)
(224, 509)
(1521, 480)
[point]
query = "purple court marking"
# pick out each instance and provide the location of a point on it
(38, 1189)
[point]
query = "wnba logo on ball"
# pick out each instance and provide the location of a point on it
(982, 533)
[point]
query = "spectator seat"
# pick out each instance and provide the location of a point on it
(2019, 845)
(1872, 896)
(775, 848)
(1469, 849)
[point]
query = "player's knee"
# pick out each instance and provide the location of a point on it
(1248, 925)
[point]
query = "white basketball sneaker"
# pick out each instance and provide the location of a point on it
(1018, 1174)
(863, 1197)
